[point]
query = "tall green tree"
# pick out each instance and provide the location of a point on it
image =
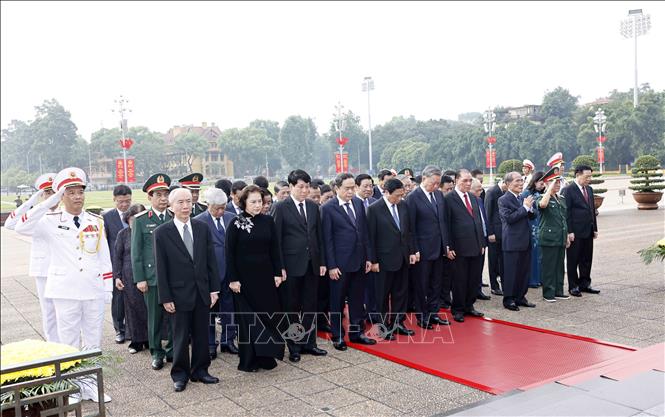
(54, 135)
(249, 148)
(296, 142)
(191, 145)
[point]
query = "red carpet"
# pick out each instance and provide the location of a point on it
(493, 355)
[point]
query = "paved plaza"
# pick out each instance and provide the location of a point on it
(630, 310)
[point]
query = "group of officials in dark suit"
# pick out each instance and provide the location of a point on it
(366, 246)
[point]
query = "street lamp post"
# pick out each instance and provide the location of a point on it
(368, 85)
(340, 125)
(121, 102)
(489, 119)
(637, 24)
(599, 124)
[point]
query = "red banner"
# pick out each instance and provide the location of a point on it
(490, 158)
(120, 170)
(339, 168)
(601, 154)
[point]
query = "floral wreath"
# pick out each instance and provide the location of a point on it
(243, 223)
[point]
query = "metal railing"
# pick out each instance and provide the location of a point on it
(61, 409)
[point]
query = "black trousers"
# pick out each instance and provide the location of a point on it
(495, 266)
(579, 255)
(192, 324)
(392, 291)
(351, 286)
(428, 277)
(446, 281)
(298, 295)
(467, 276)
(118, 310)
(323, 300)
(516, 266)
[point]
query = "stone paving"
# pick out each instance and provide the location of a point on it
(630, 310)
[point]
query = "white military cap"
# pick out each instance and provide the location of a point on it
(69, 177)
(45, 181)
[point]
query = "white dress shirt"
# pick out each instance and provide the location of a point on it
(529, 209)
(343, 205)
(180, 226)
(297, 203)
(427, 193)
(390, 207)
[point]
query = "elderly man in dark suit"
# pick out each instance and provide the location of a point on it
(188, 286)
(582, 230)
(515, 212)
(113, 224)
(299, 233)
(495, 255)
(393, 251)
(427, 215)
(218, 219)
(347, 252)
(466, 245)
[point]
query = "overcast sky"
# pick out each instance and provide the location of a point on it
(230, 63)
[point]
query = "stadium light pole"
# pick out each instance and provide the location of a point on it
(637, 24)
(368, 85)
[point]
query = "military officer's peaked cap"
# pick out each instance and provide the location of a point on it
(406, 171)
(45, 181)
(554, 173)
(69, 177)
(555, 160)
(528, 163)
(191, 181)
(157, 182)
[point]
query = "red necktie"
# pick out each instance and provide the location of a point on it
(586, 196)
(468, 205)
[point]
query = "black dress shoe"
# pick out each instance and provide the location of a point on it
(324, 328)
(444, 305)
(497, 292)
(339, 345)
(482, 296)
(512, 307)
(389, 336)
(120, 338)
(158, 364)
(400, 329)
(475, 313)
(575, 292)
(526, 303)
(363, 340)
(212, 351)
(438, 320)
(206, 379)
(230, 348)
(179, 386)
(294, 357)
(458, 317)
(590, 290)
(314, 351)
(424, 325)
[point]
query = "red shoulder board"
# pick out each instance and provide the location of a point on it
(150, 214)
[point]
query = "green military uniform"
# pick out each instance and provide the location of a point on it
(193, 183)
(552, 235)
(143, 267)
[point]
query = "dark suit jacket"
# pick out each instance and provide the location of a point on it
(492, 209)
(465, 234)
(481, 204)
(301, 243)
(580, 215)
(370, 201)
(112, 226)
(391, 246)
(377, 195)
(181, 279)
(428, 224)
(516, 233)
(346, 245)
(230, 208)
(218, 239)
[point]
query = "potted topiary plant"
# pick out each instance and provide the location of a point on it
(596, 177)
(510, 165)
(647, 182)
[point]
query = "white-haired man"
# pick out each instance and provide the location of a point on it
(218, 219)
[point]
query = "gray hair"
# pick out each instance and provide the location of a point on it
(476, 183)
(173, 194)
(510, 176)
(431, 170)
(215, 196)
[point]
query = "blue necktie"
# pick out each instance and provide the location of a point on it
(350, 213)
(220, 228)
(394, 210)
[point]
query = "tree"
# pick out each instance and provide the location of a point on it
(296, 141)
(358, 145)
(54, 135)
(191, 145)
(558, 103)
(17, 141)
(510, 165)
(149, 150)
(248, 148)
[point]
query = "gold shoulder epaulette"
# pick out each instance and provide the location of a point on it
(50, 213)
(141, 213)
(94, 214)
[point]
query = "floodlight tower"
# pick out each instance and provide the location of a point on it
(637, 24)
